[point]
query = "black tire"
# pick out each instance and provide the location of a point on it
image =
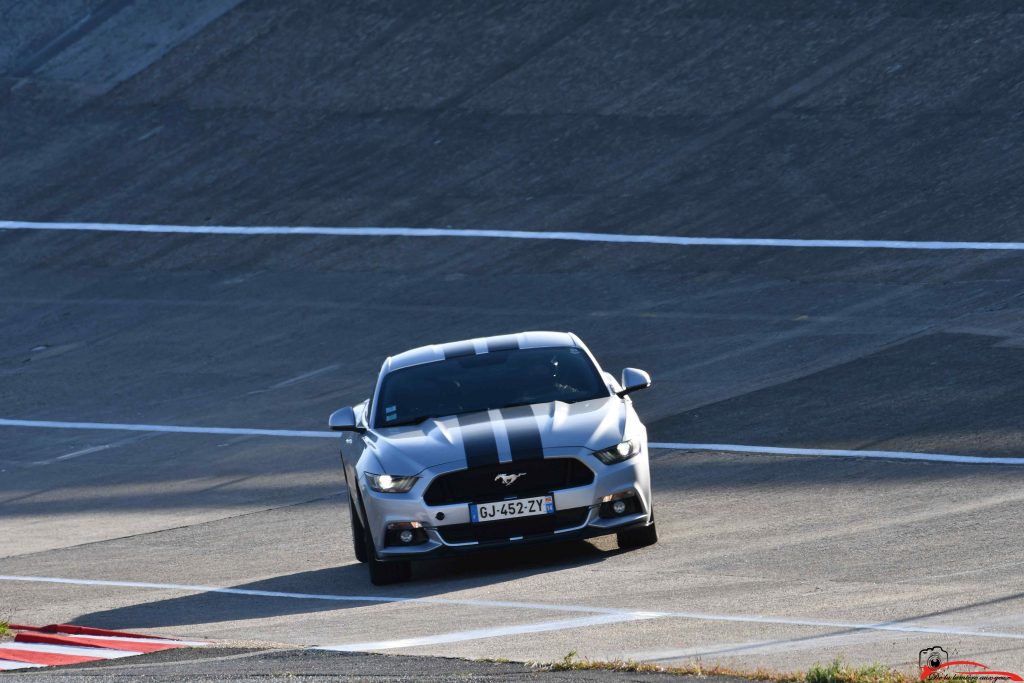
(383, 573)
(638, 538)
(358, 540)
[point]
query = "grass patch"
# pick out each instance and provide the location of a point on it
(5, 629)
(834, 672)
(571, 662)
(840, 672)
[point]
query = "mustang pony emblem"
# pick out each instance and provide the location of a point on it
(509, 479)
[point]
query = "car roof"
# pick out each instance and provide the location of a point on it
(467, 347)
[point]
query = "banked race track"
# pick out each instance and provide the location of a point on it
(805, 221)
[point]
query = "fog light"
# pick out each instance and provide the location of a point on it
(619, 504)
(405, 533)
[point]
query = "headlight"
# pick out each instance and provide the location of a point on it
(623, 451)
(388, 483)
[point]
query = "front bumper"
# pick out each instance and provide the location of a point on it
(449, 529)
(583, 532)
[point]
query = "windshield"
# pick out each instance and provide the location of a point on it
(497, 379)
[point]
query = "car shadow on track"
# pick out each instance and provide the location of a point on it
(338, 588)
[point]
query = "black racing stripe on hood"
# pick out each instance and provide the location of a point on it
(478, 439)
(523, 433)
(508, 342)
(456, 349)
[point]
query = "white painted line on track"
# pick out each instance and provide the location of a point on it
(495, 632)
(719, 447)
(6, 665)
(318, 596)
(893, 626)
(823, 642)
(97, 449)
(97, 652)
(125, 639)
(897, 626)
(304, 376)
(838, 453)
(76, 454)
(571, 236)
(49, 424)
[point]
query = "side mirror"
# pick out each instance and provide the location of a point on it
(634, 379)
(343, 420)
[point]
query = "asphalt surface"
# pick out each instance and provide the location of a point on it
(237, 664)
(845, 121)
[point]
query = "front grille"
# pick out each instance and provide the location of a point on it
(504, 529)
(480, 484)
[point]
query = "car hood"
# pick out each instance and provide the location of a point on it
(493, 436)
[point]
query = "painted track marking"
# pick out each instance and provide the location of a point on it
(306, 375)
(7, 665)
(94, 652)
(173, 429)
(498, 631)
(894, 626)
(320, 596)
(571, 236)
(717, 447)
(839, 453)
(154, 640)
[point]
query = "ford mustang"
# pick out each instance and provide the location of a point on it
(493, 442)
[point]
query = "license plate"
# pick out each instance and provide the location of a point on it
(506, 509)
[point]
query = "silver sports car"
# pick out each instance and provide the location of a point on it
(492, 442)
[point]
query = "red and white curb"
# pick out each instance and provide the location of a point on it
(58, 644)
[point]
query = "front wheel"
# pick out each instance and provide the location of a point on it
(638, 538)
(383, 573)
(358, 540)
